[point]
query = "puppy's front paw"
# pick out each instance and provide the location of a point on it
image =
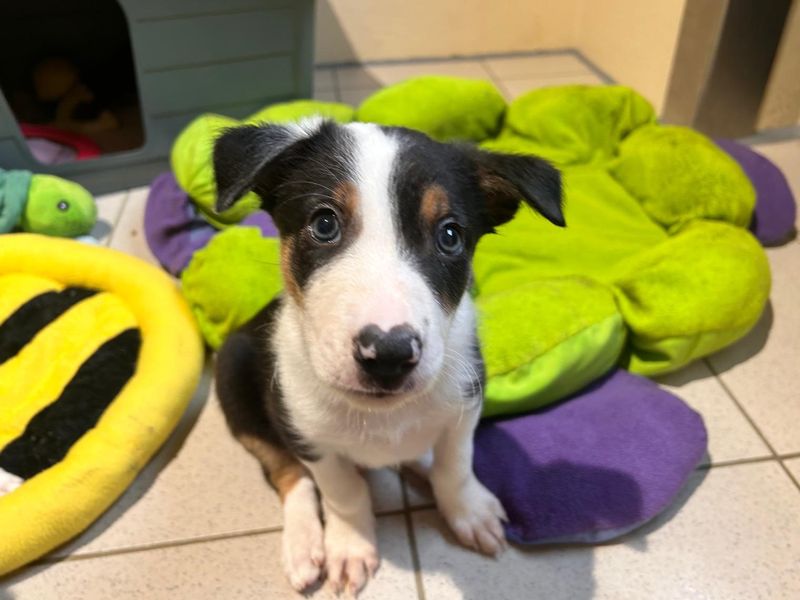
(475, 515)
(303, 546)
(303, 553)
(351, 555)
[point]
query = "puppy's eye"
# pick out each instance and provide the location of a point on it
(449, 239)
(325, 226)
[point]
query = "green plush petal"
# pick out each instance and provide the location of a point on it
(445, 108)
(546, 338)
(230, 280)
(290, 112)
(678, 175)
(565, 369)
(604, 225)
(191, 160)
(692, 295)
(509, 142)
(577, 124)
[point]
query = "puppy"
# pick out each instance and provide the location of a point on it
(369, 358)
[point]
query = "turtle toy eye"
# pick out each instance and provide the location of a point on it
(62, 205)
(449, 239)
(324, 226)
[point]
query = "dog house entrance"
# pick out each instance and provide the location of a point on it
(68, 76)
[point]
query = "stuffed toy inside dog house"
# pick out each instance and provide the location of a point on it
(187, 57)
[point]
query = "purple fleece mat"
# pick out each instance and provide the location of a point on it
(592, 467)
(175, 229)
(776, 211)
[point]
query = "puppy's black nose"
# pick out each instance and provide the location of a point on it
(387, 357)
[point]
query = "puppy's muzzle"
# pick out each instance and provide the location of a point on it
(387, 357)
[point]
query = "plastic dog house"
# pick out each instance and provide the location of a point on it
(190, 57)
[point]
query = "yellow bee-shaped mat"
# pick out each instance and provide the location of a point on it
(99, 356)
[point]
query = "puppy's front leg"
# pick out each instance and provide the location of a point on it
(350, 553)
(472, 511)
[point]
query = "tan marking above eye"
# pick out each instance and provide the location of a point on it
(289, 282)
(435, 204)
(346, 196)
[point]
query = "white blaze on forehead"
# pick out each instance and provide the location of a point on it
(377, 249)
(375, 154)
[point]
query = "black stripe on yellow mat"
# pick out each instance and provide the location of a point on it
(55, 428)
(30, 318)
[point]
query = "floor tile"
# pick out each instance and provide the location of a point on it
(386, 488)
(785, 155)
(516, 87)
(128, 236)
(734, 534)
(760, 369)
(324, 80)
(109, 209)
(375, 76)
(329, 96)
(418, 490)
(730, 435)
(242, 567)
(356, 97)
(202, 483)
(528, 67)
(793, 464)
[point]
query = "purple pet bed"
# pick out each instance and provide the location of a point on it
(592, 467)
(775, 212)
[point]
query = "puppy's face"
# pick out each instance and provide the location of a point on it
(378, 227)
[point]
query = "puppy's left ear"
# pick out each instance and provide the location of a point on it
(242, 154)
(507, 179)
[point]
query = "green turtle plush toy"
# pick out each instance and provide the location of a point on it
(44, 204)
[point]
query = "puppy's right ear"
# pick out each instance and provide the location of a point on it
(242, 153)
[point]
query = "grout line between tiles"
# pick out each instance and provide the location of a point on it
(495, 79)
(752, 422)
(772, 136)
(390, 513)
(451, 58)
(791, 475)
(123, 204)
(412, 543)
(206, 538)
(157, 546)
(738, 404)
(592, 66)
(737, 461)
(337, 88)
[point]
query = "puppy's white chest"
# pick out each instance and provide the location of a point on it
(393, 449)
(376, 440)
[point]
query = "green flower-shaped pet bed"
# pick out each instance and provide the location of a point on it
(655, 267)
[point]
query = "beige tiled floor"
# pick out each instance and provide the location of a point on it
(512, 75)
(200, 522)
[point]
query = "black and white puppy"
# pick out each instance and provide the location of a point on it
(370, 356)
